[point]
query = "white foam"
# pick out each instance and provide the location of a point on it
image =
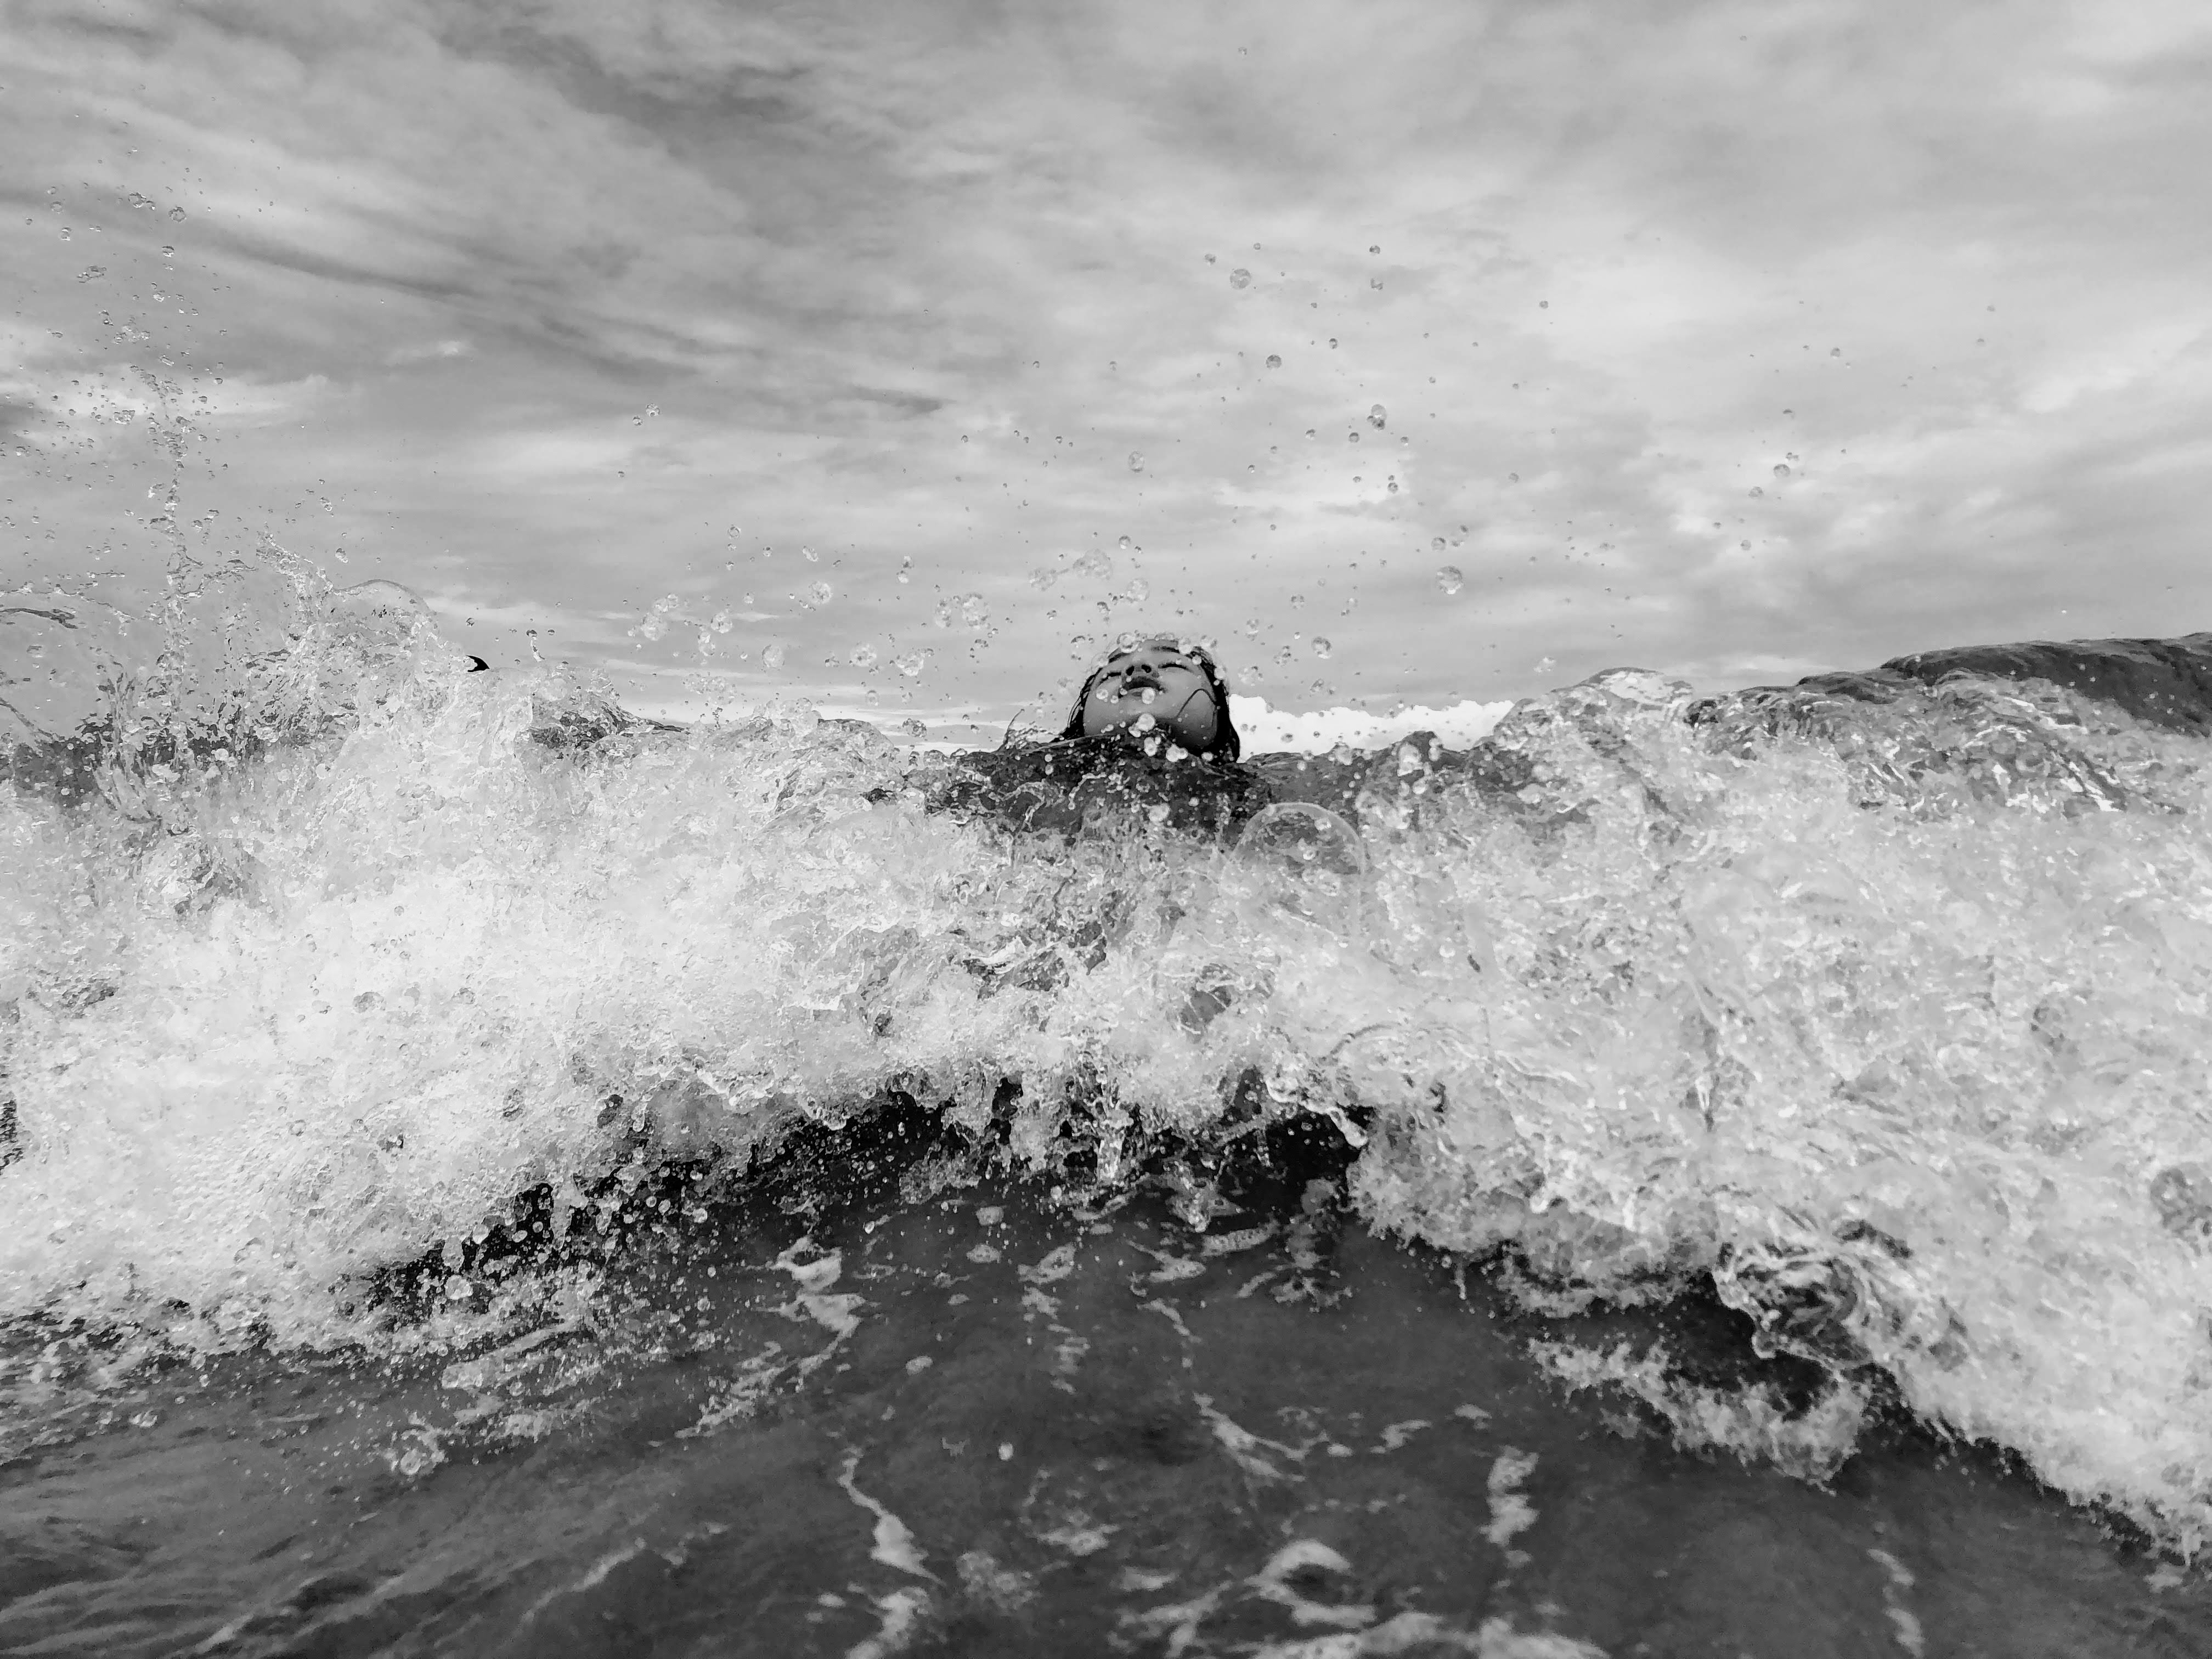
(1270, 731)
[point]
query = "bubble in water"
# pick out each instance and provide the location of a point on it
(178, 214)
(819, 593)
(771, 656)
(1136, 460)
(1322, 647)
(1377, 416)
(1240, 277)
(914, 727)
(1273, 362)
(1449, 579)
(1780, 471)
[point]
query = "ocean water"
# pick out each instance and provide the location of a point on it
(1682, 1176)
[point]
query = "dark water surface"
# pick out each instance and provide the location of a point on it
(1065, 1446)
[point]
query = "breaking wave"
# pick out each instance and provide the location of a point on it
(1886, 1018)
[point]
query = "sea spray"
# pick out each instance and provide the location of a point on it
(1887, 1025)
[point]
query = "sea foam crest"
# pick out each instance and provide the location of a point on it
(1893, 1030)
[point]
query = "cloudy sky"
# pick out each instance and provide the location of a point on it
(1033, 323)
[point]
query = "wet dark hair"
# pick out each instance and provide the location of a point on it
(1227, 745)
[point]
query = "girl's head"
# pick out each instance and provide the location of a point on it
(1174, 685)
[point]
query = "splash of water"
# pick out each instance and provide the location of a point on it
(1889, 1024)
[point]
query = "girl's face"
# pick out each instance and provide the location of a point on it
(1158, 679)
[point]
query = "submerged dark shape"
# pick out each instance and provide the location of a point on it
(2165, 683)
(1066, 785)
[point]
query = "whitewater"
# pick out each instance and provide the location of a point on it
(1790, 1071)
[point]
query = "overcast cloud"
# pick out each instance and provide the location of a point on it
(554, 311)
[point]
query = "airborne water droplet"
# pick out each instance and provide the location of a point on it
(771, 656)
(1449, 579)
(863, 656)
(1322, 647)
(1273, 362)
(1136, 460)
(1780, 471)
(1377, 416)
(819, 593)
(1756, 490)
(178, 214)
(1435, 543)
(1240, 277)
(913, 728)
(1123, 543)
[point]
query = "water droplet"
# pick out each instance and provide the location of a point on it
(914, 727)
(1332, 345)
(1309, 432)
(1375, 247)
(1745, 546)
(1322, 647)
(65, 234)
(819, 593)
(1136, 461)
(862, 656)
(1240, 277)
(1449, 579)
(168, 253)
(1209, 258)
(1393, 486)
(178, 214)
(1756, 490)
(1543, 305)
(1513, 477)
(1157, 813)
(1273, 362)
(809, 556)
(1374, 281)
(1377, 416)
(1435, 543)
(1780, 471)
(1298, 600)
(1123, 543)
(771, 656)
